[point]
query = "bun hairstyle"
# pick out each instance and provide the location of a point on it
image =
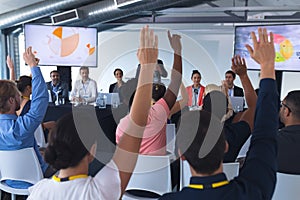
(23, 82)
(158, 91)
(195, 72)
(70, 140)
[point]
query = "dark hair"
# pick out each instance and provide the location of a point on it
(23, 82)
(215, 102)
(160, 62)
(293, 101)
(84, 68)
(201, 141)
(118, 69)
(232, 73)
(158, 91)
(54, 71)
(195, 72)
(71, 139)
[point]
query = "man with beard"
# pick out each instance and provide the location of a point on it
(56, 85)
(17, 132)
(289, 135)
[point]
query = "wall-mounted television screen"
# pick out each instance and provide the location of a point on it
(62, 46)
(286, 40)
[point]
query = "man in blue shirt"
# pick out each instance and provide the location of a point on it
(17, 132)
(204, 147)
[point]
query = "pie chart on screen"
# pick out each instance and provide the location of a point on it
(63, 42)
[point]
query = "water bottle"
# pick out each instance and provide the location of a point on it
(102, 101)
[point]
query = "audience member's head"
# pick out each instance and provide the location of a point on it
(70, 140)
(290, 108)
(196, 77)
(201, 141)
(9, 90)
(24, 84)
(55, 77)
(158, 91)
(230, 77)
(84, 73)
(215, 102)
(118, 74)
(212, 87)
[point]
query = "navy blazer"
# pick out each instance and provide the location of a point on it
(64, 93)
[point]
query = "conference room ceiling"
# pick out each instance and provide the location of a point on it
(104, 15)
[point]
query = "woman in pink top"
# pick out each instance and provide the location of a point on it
(154, 138)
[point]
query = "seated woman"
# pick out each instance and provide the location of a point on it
(114, 88)
(195, 91)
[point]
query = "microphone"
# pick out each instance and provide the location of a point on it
(195, 96)
(196, 91)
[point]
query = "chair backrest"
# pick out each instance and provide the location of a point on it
(287, 187)
(151, 173)
(39, 136)
(21, 165)
(170, 138)
(231, 170)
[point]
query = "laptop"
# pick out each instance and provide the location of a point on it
(237, 103)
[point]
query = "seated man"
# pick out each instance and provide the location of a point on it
(84, 90)
(233, 90)
(288, 136)
(203, 146)
(56, 86)
(17, 132)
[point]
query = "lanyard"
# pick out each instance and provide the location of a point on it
(70, 178)
(85, 87)
(213, 185)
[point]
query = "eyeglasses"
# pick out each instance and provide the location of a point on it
(283, 104)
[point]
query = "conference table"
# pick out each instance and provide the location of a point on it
(108, 117)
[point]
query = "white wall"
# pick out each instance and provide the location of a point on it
(207, 49)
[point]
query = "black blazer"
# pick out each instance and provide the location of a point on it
(237, 91)
(111, 87)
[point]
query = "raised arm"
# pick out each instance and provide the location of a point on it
(182, 102)
(172, 91)
(128, 147)
(11, 67)
(261, 161)
(33, 118)
(240, 68)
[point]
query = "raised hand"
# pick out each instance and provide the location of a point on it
(175, 42)
(29, 57)
(238, 65)
(10, 63)
(148, 49)
(224, 87)
(263, 52)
